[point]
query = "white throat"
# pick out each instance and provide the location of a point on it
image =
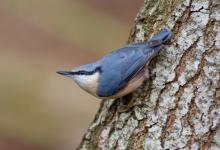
(87, 82)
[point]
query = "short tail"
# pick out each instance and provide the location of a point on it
(164, 35)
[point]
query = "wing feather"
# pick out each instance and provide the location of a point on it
(127, 63)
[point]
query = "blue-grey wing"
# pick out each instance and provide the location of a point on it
(118, 68)
(123, 64)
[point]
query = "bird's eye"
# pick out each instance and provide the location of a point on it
(123, 56)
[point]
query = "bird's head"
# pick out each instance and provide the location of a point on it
(86, 76)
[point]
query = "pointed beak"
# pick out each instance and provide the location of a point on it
(64, 73)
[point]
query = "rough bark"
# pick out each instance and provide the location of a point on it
(179, 106)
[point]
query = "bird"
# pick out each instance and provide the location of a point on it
(121, 71)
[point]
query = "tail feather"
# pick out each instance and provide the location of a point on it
(164, 35)
(154, 45)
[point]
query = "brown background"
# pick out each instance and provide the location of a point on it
(38, 108)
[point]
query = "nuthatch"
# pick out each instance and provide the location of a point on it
(121, 71)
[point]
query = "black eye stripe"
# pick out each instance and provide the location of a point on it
(82, 72)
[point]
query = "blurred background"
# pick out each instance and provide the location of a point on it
(40, 110)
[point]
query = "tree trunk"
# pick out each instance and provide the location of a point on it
(179, 106)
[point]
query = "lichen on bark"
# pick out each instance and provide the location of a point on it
(178, 107)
